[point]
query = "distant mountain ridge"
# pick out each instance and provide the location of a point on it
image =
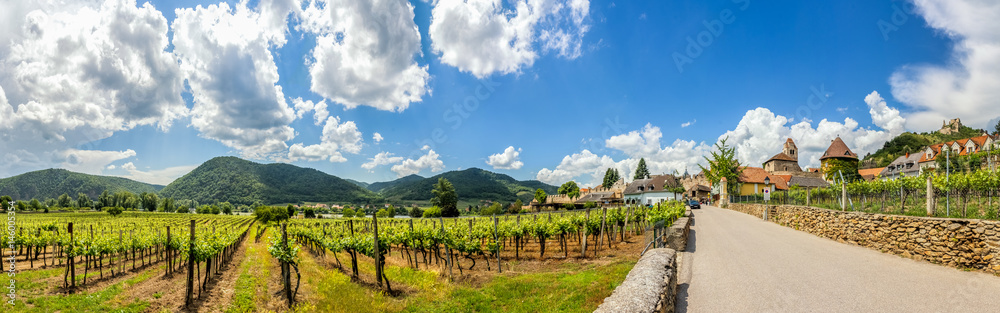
(379, 186)
(244, 182)
(470, 184)
(51, 183)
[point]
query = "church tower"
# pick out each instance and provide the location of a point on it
(791, 150)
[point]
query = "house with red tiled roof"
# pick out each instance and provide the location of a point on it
(967, 146)
(786, 165)
(753, 180)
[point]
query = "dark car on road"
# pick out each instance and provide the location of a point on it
(694, 204)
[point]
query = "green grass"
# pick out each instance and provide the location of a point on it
(569, 289)
(252, 282)
(101, 301)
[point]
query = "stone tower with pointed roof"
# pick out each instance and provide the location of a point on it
(786, 162)
(838, 151)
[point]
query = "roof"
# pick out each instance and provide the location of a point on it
(659, 183)
(874, 172)
(594, 197)
(838, 149)
(810, 182)
(781, 156)
(700, 188)
(789, 140)
(979, 141)
(756, 175)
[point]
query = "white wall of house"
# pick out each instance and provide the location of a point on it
(654, 197)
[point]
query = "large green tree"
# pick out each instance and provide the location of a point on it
(641, 171)
(570, 189)
(65, 201)
(5, 202)
(997, 128)
(540, 195)
(149, 201)
(83, 201)
(611, 176)
(723, 164)
(445, 198)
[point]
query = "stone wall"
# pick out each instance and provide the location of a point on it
(651, 286)
(678, 232)
(960, 243)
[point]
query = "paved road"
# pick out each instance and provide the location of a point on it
(739, 263)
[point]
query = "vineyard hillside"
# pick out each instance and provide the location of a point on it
(471, 184)
(51, 183)
(244, 182)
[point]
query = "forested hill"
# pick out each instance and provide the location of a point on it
(913, 142)
(470, 184)
(240, 181)
(51, 183)
(379, 186)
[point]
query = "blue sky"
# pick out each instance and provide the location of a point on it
(552, 90)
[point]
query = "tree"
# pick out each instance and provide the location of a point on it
(83, 201)
(348, 212)
(105, 200)
(540, 196)
(723, 164)
(167, 205)
(227, 208)
(65, 201)
(183, 209)
(997, 128)
(149, 201)
(5, 202)
(570, 189)
(611, 177)
(291, 210)
(641, 171)
(35, 204)
(433, 212)
(391, 211)
(308, 213)
(516, 207)
(21, 205)
(445, 198)
(416, 212)
(360, 213)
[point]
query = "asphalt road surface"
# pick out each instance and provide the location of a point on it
(739, 263)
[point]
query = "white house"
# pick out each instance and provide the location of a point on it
(652, 190)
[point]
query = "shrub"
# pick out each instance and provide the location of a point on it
(569, 206)
(416, 212)
(360, 213)
(114, 211)
(382, 213)
(183, 209)
(432, 212)
(348, 212)
(310, 213)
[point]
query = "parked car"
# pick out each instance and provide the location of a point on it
(694, 204)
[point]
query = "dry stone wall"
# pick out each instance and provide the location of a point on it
(960, 243)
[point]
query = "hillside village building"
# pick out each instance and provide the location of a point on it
(838, 151)
(785, 166)
(653, 190)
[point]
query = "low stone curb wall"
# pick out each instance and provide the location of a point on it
(651, 286)
(677, 234)
(960, 243)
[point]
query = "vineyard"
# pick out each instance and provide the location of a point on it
(86, 254)
(956, 195)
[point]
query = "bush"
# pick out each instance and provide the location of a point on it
(183, 209)
(569, 206)
(416, 212)
(266, 214)
(495, 208)
(525, 211)
(310, 213)
(382, 213)
(114, 211)
(432, 212)
(590, 205)
(348, 212)
(360, 213)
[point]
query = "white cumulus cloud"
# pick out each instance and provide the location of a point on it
(377, 137)
(157, 177)
(364, 52)
(967, 85)
(483, 37)
(226, 57)
(302, 107)
(337, 137)
(383, 158)
(428, 161)
(509, 159)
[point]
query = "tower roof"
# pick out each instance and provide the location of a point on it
(839, 149)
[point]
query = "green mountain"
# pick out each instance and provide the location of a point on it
(240, 181)
(379, 186)
(358, 183)
(471, 184)
(913, 142)
(52, 183)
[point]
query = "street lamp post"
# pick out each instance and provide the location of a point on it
(767, 185)
(947, 181)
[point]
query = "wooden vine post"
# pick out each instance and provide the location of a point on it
(497, 238)
(188, 297)
(447, 250)
(601, 236)
(286, 275)
(72, 258)
(586, 220)
(378, 257)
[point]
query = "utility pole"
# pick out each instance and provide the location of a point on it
(947, 181)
